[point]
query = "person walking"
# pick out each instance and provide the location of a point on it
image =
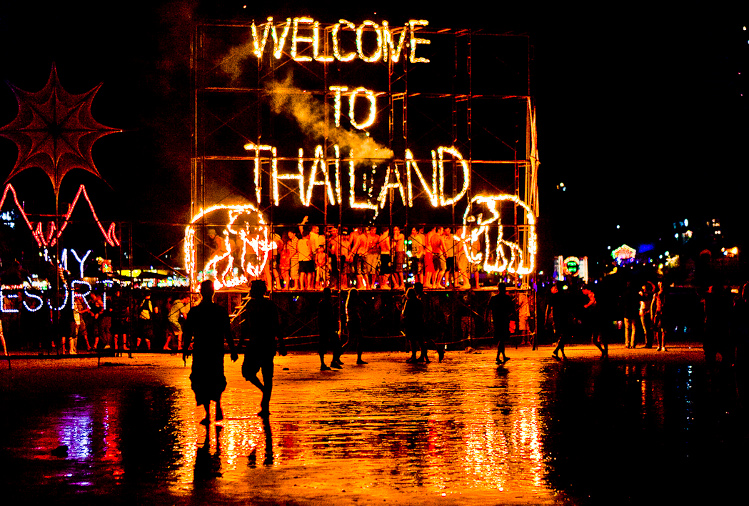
(426, 341)
(413, 324)
(592, 322)
(657, 307)
(503, 310)
(354, 307)
(631, 310)
(327, 323)
(562, 313)
(207, 327)
(260, 331)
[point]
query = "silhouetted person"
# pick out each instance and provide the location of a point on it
(502, 307)
(354, 307)
(718, 305)
(413, 323)
(563, 315)
(592, 321)
(631, 310)
(658, 314)
(739, 335)
(427, 341)
(208, 326)
(327, 324)
(260, 329)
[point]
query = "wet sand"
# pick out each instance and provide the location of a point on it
(643, 427)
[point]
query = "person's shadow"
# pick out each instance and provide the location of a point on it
(207, 464)
(268, 461)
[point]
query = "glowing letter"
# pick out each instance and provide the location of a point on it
(73, 286)
(31, 295)
(295, 38)
(466, 175)
(299, 177)
(337, 103)
(2, 302)
(312, 182)
(316, 45)
(260, 45)
(372, 108)
(389, 49)
(352, 185)
(431, 192)
(278, 43)
(274, 166)
(414, 41)
(396, 184)
(80, 260)
(336, 44)
(374, 57)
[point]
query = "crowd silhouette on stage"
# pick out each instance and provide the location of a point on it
(364, 257)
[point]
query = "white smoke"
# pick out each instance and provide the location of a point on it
(309, 114)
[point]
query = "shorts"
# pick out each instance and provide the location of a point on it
(450, 263)
(307, 266)
(416, 265)
(253, 364)
(439, 262)
(400, 261)
(428, 264)
(174, 327)
(385, 266)
(370, 263)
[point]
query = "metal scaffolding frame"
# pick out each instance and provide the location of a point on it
(235, 109)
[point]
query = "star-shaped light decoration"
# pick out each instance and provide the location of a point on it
(54, 131)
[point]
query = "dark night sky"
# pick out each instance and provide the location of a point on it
(639, 112)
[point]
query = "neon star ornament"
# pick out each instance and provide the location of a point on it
(54, 131)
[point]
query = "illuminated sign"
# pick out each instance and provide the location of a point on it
(368, 41)
(32, 300)
(241, 249)
(624, 253)
(498, 254)
(52, 234)
(327, 173)
(346, 167)
(571, 266)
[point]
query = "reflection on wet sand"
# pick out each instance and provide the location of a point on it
(533, 430)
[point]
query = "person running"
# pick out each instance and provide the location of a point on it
(261, 331)
(208, 326)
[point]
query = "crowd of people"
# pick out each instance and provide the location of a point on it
(304, 258)
(118, 323)
(207, 328)
(649, 313)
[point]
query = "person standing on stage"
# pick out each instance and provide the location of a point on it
(418, 242)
